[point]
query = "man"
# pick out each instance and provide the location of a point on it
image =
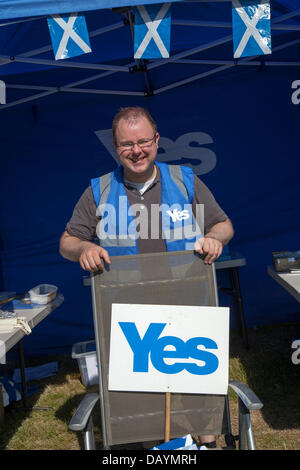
(141, 183)
(136, 140)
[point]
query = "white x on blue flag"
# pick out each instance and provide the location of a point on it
(69, 35)
(152, 30)
(251, 27)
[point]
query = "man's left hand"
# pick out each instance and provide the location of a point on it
(210, 247)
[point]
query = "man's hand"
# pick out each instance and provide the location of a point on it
(212, 243)
(210, 247)
(88, 254)
(92, 257)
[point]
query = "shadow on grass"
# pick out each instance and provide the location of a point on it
(268, 370)
(16, 413)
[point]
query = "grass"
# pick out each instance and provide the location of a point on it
(266, 367)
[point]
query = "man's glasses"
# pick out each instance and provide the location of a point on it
(142, 143)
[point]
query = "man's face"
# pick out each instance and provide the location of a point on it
(137, 160)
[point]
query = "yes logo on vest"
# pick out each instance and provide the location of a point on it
(178, 215)
(159, 348)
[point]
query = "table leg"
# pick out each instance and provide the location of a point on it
(238, 304)
(23, 381)
(235, 292)
(23, 375)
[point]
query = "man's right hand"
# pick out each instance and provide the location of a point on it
(88, 254)
(92, 257)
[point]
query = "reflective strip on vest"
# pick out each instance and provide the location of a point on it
(105, 188)
(176, 175)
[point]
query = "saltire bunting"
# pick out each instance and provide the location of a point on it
(69, 35)
(152, 31)
(251, 27)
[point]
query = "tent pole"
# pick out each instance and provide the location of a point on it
(78, 65)
(94, 77)
(25, 100)
(232, 62)
(195, 50)
(102, 92)
(222, 24)
(22, 21)
(191, 79)
(218, 69)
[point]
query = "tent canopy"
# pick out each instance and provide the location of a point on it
(233, 121)
(201, 46)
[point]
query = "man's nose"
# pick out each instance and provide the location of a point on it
(136, 148)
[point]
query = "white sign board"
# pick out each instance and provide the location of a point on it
(167, 348)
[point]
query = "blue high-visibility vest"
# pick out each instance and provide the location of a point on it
(117, 229)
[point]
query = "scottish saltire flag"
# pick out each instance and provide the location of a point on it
(152, 31)
(251, 27)
(69, 35)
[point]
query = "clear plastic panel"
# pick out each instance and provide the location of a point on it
(173, 278)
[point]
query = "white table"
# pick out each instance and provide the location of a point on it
(33, 316)
(289, 281)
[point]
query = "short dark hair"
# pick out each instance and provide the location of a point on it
(132, 114)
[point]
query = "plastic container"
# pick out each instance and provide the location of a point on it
(85, 353)
(42, 294)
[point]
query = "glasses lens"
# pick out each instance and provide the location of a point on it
(144, 143)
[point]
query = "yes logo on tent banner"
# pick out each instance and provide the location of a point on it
(251, 27)
(152, 30)
(160, 348)
(69, 35)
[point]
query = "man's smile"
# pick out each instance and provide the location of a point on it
(137, 159)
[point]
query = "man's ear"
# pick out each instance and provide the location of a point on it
(157, 138)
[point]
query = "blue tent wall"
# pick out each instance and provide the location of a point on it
(50, 151)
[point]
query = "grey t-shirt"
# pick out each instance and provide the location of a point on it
(83, 223)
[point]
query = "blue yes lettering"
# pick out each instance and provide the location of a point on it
(154, 347)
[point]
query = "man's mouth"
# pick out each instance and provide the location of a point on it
(136, 159)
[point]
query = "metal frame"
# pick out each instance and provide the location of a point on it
(99, 361)
(248, 401)
(180, 58)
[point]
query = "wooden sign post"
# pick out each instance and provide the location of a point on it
(167, 418)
